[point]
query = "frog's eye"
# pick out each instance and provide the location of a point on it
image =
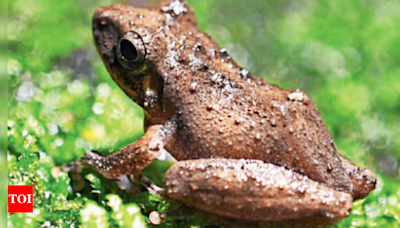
(131, 47)
(128, 50)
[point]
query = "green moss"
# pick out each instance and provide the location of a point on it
(344, 54)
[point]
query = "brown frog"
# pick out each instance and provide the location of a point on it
(247, 150)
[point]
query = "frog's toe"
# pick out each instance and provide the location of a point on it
(69, 167)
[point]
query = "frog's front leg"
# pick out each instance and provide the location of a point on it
(255, 191)
(131, 159)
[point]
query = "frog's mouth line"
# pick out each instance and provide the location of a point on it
(135, 72)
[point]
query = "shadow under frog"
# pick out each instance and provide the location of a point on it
(247, 150)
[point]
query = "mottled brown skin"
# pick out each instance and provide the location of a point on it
(254, 190)
(200, 104)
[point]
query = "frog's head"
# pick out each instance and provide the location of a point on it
(133, 42)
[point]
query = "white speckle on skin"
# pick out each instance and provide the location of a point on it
(171, 59)
(176, 7)
(150, 98)
(296, 96)
(194, 62)
(243, 73)
(282, 110)
(193, 86)
(212, 51)
(150, 92)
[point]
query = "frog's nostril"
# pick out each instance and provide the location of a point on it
(103, 21)
(100, 23)
(100, 17)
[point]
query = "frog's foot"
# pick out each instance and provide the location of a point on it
(131, 159)
(254, 191)
(363, 179)
(76, 180)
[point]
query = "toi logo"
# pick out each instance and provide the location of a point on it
(20, 198)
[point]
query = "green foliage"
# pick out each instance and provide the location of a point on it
(344, 54)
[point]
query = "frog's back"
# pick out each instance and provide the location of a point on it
(223, 115)
(224, 111)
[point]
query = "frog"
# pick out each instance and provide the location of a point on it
(246, 150)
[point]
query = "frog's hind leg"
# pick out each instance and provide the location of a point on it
(254, 191)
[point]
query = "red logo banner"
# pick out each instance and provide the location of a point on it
(20, 198)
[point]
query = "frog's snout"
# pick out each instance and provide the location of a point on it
(105, 32)
(115, 14)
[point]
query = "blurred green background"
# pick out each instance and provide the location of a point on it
(61, 100)
(3, 111)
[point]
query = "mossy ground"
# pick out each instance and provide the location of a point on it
(61, 100)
